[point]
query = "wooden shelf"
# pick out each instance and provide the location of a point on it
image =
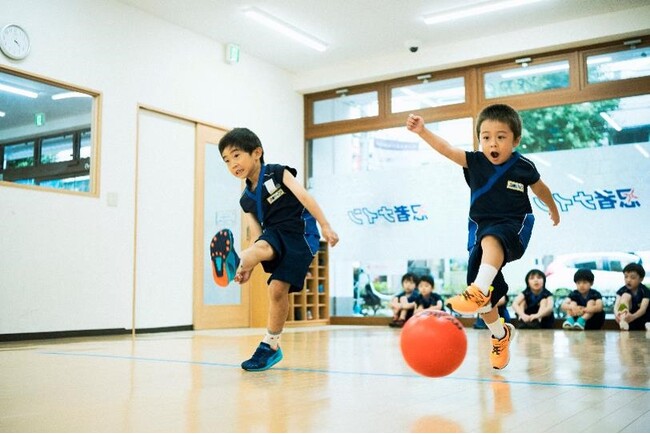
(307, 307)
(311, 305)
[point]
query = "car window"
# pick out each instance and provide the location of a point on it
(615, 266)
(589, 265)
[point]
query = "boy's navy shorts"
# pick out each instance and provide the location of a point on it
(514, 237)
(294, 253)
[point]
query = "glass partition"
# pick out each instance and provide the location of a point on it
(526, 79)
(618, 65)
(48, 133)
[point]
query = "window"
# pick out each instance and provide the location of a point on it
(345, 107)
(618, 65)
(526, 79)
(48, 133)
(427, 94)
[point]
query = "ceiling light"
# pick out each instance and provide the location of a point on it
(18, 91)
(575, 178)
(483, 8)
(2, 114)
(286, 29)
(66, 95)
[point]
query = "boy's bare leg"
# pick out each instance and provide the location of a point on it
(492, 252)
(278, 306)
(250, 257)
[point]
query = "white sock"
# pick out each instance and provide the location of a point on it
(497, 328)
(272, 339)
(485, 276)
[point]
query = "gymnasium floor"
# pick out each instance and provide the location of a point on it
(332, 379)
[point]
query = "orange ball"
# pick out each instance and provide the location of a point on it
(433, 343)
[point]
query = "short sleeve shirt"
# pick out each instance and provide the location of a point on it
(425, 302)
(641, 293)
(533, 300)
(582, 301)
(276, 206)
(499, 191)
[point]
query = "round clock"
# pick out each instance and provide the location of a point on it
(14, 42)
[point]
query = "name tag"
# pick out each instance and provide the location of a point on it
(518, 186)
(275, 195)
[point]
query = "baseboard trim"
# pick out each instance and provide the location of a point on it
(12, 337)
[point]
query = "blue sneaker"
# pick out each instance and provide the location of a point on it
(569, 323)
(263, 358)
(579, 324)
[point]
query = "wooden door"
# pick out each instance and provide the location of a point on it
(216, 208)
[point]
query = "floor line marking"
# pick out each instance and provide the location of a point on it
(336, 372)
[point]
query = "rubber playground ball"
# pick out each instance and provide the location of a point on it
(433, 343)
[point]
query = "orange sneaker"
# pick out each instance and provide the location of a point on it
(500, 355)
(471, 301)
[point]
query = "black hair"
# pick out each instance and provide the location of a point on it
(633, 267)
(502, 113)
(584, 274)
(410, 276)
(241, 138)
(429, 279)
(536, 272)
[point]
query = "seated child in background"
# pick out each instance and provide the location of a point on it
(631, 305)
(402, 309)
(426, 299)
(534, 305)
(584, 305)
(502, 306)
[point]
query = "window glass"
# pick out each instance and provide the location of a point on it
(345, 107)
(428, 94)
(56, 149)
(391, 148)
(618, 65)
(77, 183)
(86, 144)
(19, 155)
(527, 79)
(586, 125)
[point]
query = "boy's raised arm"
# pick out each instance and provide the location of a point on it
(415, 123)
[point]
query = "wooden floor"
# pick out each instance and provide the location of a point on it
(332, 379)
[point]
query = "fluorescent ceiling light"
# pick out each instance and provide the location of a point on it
(66, 95)
(286, 29)
(18, 91)
(480, 9)
(2, 114)
(612, 123)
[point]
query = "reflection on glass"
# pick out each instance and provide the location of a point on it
(345, 107)
(619, 65)
(428, 94)
(390, 148)
(527, 79)
(18, 155)
(55, 149)
(586, 125)
(46, 133)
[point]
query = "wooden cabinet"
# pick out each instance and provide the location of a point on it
(307, 307)
(311, 305)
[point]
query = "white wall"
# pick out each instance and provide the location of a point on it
(131, 58)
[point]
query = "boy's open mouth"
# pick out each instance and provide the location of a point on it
(494, 154)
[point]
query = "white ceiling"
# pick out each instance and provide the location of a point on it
(360, 29)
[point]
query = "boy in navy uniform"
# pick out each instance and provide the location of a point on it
(534, 305)
(631, 305)
(282, 217)
(425, 298)
(584, 305)
(500, 214)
